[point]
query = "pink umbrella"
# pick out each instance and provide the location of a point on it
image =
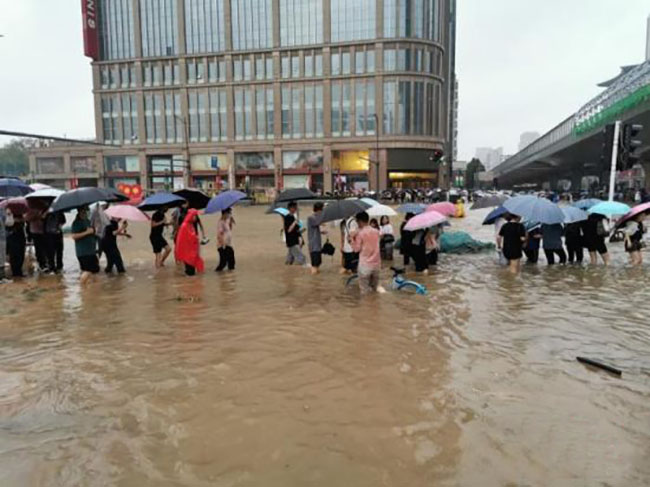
(444, 208)
(126, 212)
(644, 207)
(425, 220)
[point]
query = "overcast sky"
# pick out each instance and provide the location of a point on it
(522, 64)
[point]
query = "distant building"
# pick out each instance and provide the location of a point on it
(527, 138)
(263, 94)
(489, 157)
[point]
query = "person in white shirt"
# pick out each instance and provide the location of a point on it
(349, 228)
(634, 230)
(387, 238)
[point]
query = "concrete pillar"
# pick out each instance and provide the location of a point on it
(277, 165)
(327, 168)
(230, 157)
(646, 171)
(383, 169)
(144, 170)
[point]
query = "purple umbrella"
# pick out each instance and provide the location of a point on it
(642, 208)
(223, 201)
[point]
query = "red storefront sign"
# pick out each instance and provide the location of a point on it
(91, 34)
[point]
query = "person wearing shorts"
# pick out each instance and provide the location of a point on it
(85, 245)
(314, 233)
(511, 241)
(366, 243)
(161, 248)
(594, 241)
(634, 231)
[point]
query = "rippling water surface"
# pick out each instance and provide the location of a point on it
(271, 377)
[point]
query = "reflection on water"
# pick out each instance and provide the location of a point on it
(271, 377)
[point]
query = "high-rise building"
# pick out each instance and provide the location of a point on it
(527, 138)
(489, 157)
(262, 94)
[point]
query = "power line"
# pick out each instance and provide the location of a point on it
(50, 137)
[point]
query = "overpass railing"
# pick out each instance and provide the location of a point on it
(629, 91)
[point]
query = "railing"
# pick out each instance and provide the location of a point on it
(626, 93)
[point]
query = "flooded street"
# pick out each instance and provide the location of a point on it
(271, 377)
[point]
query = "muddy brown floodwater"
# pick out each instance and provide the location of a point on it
(271, 377)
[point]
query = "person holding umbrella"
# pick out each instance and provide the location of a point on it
(314, 232)
(574, 243)
(406, 239)
(366, 243)
(292, 236)
(187, 248)
(552, 242)
(16, 242)
(511, 241)
(634, 230)
(83, 235)
(594, 232)
(224, 241)
(114, 229)
(3, 244)
(54, 240)
(161, 248)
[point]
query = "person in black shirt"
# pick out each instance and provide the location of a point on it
(406, 240)
(160, 246)
(594, 232)
(109, 245)
(292, 236)
(511, 240)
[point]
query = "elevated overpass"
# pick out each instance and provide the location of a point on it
(573, 148)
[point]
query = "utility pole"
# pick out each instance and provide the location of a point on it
(612, 174)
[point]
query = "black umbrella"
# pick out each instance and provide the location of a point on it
(196, 198)
(84, 197)
(342, 209)
(295, 194)
(491, 201)
(114, 195)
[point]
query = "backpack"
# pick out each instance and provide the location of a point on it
(602, 229)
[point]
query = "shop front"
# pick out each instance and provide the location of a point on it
(350, 171)
(209, 172)
(411, 169)
(166, 172)
(302, 169)
(121, 170)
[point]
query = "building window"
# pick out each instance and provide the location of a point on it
(153, 104)
(318, 64)
(352, 20)
(218, 115)
(345, 62)
(364, 97)
(174, 123)
(204, 26)
(301, 22)
(84, 164)
(264, 100)
(404, 108)
(158, 19)
(129, 118)
(216, 70)
(110, 116)
(390, 59)
(292, 96)
(116, 29)
(285, 61)
(314, 110)
(295, 65)
(412, 18)
(195, 71)
(251, 24)
(418, 107)
(243, 114)
(335, 63)
(197, 109)
(50, 165)
(340, 108)
(389, 106)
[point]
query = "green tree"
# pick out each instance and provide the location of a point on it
(474, 167)
(14, 158)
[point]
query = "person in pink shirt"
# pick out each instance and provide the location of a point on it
(366, 243)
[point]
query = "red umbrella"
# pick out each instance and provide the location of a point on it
(444, 208)
(18, 205)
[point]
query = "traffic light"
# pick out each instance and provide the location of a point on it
(629, 145)
(436, 156)
(608, 145)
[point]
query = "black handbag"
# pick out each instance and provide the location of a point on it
(328, 248)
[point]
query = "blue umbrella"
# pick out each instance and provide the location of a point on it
(574, 215)
(224, 200)
(609, 208)
(158, 200)
(587, 203)
(284, 212)
(13, 187)
(532, 208)
(494, 215)
(415, 208)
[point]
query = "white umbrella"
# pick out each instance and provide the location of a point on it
(381, 210)
(45, 193)
(39, 186)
